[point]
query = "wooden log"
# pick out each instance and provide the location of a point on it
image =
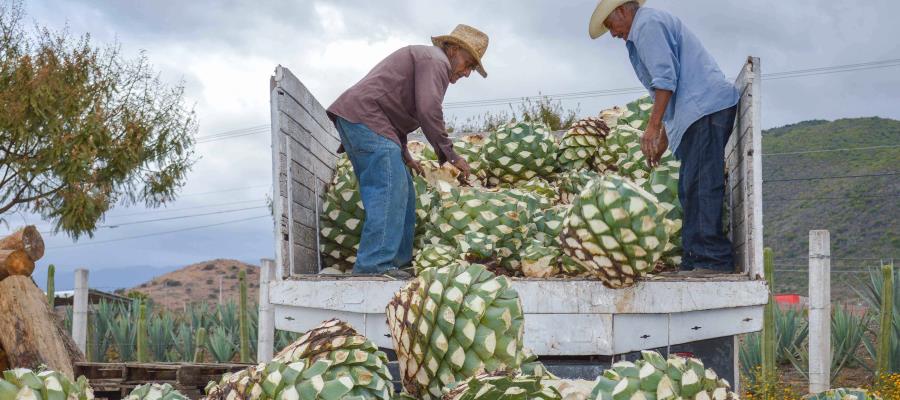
(15, 262)
(27, 239)
(4, 363)
(30, 332)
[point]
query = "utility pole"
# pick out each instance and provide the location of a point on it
(220, 290)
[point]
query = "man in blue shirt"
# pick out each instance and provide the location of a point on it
(693, 115)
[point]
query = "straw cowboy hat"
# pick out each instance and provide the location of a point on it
(604, 8)
(470, 39)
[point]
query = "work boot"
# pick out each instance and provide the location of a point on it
(398, 274)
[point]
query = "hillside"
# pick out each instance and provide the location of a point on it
(861, 213)
(200, 283)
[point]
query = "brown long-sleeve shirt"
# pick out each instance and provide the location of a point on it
(402, 93)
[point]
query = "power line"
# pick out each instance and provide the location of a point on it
(637, 89)
(144, 221)
(832, 150)
(160, 233)
(263, 128)
(167, 210)
(266, 130)
(225, 190)
(232, 132)
(830, 177)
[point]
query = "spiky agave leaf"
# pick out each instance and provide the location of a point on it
(571, 183)
(518, 152)
(495, 214)
(420, 150)
(469, 148)
(25, 384)
(637, 113)
(572, 389)
(331, 361)
(663, 183)
(654, 377)
(155, 391)
(579, 148)
(342, 218)
(540, 260)
(502, 385)
(452, 323)
(436, 180)
(537, 186)
(435, 255)
(616, 146)
(616, 230)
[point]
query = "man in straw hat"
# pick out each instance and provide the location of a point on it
(401, 94)
(693, 115)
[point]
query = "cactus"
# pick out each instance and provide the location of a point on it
(887, 322)
(768, 332)
(142, 334)
(200, 345)
(244, 320)
(51, 285)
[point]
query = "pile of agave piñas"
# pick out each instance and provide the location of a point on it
(539, 204)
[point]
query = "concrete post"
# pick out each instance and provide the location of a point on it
(819, 311)
(265, 346)
(80, 309)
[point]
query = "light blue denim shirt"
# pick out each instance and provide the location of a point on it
(666, 55)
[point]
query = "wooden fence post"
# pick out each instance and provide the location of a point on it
(819, 311)
(265, 346)
(80, 309)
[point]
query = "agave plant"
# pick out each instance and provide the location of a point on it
(123, 329)
(284, 338)
(222, 344)
(160, 331)
(99, 336)
(791, 330)
(67, 321)
(184, 342)
(872, 295)
(848, 334)
(227, 315)
(750, 357)
(199, 315)
(253, 320)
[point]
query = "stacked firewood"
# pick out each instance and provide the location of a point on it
(31, 334)
(19, 251)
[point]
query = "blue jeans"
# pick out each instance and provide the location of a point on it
(388, 196)
(701, 189)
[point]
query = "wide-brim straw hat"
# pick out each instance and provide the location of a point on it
(470, 39)
(601, 13)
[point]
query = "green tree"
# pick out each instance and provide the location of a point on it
(83, 128)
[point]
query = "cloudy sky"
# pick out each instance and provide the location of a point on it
(225, 51)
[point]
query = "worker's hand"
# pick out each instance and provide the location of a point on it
(463, 167)
(416, 167)
(654, 143)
